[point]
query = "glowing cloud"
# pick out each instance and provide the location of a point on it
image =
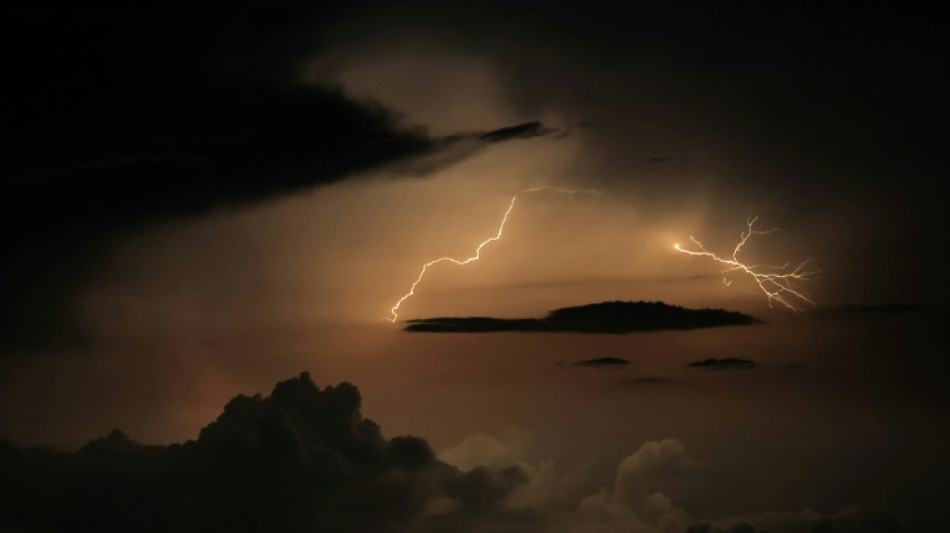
(779, 283)
(478, 251)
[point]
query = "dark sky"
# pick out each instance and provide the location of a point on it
(203, 199)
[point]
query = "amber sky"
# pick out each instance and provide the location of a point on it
(201, 201)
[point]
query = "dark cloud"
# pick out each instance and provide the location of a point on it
(520, 131)
(726, 363)
(119, 117)
(300, 459)
(446, 151)
(606, 317)
(854, 519)
(825, 120)
(649, 380)
(304, 459)
(603, 361)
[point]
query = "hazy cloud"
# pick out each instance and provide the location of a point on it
(486, 450)
(121, 117)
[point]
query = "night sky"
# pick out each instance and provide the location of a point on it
(208, 212)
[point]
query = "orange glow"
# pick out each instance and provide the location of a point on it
(478, 251)
(779, 283)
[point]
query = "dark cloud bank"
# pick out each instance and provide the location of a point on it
(304, 459)
(119, 117)
(300, 459)
(605, 317)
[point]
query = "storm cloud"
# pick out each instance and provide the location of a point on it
(299, 459)
(120, 118)
(304, 458)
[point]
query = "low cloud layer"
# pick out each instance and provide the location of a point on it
(300, 459)
(857, 519)
(726, 363)
(602, 362)
(304, 459)
(605, 317)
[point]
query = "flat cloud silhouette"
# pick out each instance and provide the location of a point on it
(603, 361)
(727, 363)
(607, 317)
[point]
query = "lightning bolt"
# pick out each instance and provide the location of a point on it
(779, 283)
(394, 315)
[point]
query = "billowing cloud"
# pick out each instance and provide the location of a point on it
(484, 450)
(300, 459)
(634, 503)
(305, 459)
(631, 505)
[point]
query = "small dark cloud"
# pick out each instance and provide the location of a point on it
(855, 519)
(603, 361)
(446, 151)
(727, 363)
(520, 131)
(649, 380)
(607, 317)
(301, 459)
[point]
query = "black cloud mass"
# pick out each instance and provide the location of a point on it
(118, 118)
(305, 459)
(300, 459)
(726, 363)
(605, 317)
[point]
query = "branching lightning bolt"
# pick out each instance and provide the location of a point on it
(478, 251)
(779, 283)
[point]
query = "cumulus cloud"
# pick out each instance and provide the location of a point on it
(300, 459)
(305, 459)
(631, 505)
(554, 501)
(484, 450)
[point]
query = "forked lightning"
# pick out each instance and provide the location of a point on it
(779, 283)
(394, 315)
